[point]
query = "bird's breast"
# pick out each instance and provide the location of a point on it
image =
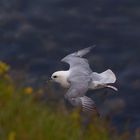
(65, 84)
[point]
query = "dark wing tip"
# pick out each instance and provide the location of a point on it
(88, 105)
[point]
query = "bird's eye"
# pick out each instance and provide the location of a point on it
(55, 76)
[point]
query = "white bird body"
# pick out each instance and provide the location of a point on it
(80, 78)
(64, 75)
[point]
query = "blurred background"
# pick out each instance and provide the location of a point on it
(36, 34)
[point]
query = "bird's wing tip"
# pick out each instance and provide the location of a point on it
(88, 105)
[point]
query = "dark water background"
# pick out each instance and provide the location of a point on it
(36, 34)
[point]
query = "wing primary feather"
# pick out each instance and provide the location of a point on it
(84, 51)
(88, 104)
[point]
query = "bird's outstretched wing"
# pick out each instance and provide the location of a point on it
(76, 96)
(75, 58)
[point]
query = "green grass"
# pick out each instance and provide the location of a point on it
(23, 116)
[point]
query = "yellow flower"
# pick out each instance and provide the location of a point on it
(12, 135)
(3, 68)
(28, 90)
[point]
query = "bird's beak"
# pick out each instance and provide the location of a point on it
(49, 80)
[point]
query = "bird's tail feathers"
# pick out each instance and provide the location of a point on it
(101, 80)
(108, 77)
(105, 77)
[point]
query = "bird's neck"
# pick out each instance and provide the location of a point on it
(64, 80)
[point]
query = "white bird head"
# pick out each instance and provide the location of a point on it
(61, 78)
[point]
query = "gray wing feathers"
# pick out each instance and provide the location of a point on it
(76, 96)
(75, 58)
(86, 103)
(75, 61)
(77, 89)
(83, 52)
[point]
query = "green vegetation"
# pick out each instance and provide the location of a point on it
(23, 116)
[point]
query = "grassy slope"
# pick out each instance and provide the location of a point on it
(23, 117)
